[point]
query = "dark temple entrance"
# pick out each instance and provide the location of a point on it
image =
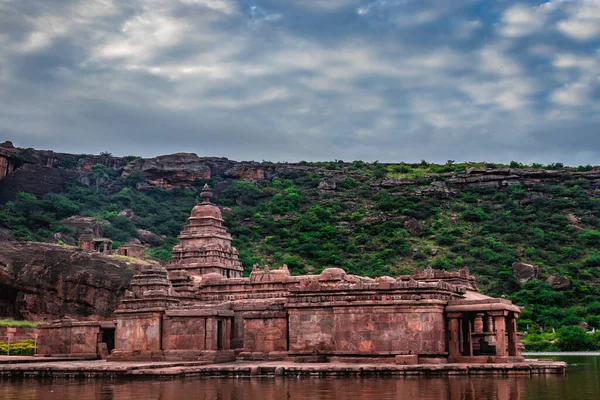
(219, 335)
(108, 337)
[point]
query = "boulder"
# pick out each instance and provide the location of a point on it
(129, 214)
(325, 185)
(572, 219)
(413, 227)
(559, 282)
(523, 272)
(82, 223)
(58, 237)
(147, 237)
(5, 234)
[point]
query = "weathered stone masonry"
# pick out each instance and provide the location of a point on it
(200, 308)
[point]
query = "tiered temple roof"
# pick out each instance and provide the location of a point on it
(205, 245)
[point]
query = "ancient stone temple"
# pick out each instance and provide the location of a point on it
(201, 308)
(205, 245)
(89, 242)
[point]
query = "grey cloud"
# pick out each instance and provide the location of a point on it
(288, 81)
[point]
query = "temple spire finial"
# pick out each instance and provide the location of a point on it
(206, 194)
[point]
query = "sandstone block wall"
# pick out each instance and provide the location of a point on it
(367, 330)
(265, 332)
(79, 338)
(184, 333)
(138, 332)
(54, 341)
(84, 339)
(311, 330)
(17, 332)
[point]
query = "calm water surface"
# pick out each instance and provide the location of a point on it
(582, 382)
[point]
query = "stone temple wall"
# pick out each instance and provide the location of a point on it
(368, 330)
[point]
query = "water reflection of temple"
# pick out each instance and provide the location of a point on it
(436, 388)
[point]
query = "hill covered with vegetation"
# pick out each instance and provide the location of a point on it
(514, 226)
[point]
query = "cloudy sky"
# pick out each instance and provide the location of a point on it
(389, 80)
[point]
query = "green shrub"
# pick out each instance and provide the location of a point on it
(21, 348)
(574, 338)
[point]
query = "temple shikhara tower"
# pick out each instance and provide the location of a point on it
(200, 308)
(205, 245)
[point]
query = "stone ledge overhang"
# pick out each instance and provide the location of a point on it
(264, 314)
(275, 295)
(198, 235)
(368, 353)
(205, 218)
(482, 305)
(199, 313)
(207, 264)
(69, 323)
(152, 304)
(399, 305)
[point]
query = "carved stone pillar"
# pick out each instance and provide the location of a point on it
(467, 340)
(513, 340)
(500, 325)
(489, 324)
(478, 323)
(453, 338)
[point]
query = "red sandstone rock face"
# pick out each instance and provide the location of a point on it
(43, 281)
(35, 179)
(175, 170)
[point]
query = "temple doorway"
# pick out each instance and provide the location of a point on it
(108, 337)
(219, 335)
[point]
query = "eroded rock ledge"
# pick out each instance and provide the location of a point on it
(40, 281)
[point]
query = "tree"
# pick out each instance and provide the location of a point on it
(574, 338)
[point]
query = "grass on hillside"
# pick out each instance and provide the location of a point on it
(14, 323)
(133, 260)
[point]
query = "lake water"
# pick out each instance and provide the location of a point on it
(582, 382)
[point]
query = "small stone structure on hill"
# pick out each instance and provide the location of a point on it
(134, 250)
(201, 308)
(87, 241)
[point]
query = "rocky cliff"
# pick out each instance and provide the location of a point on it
(43, 171)
(44, 281)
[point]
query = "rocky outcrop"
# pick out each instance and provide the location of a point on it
(35, 179)
(176, 170)
(42, 171)
(7, 150)
(129, 214)
(59, 237)
(326, 185)
(82, 223)
(147, 237)
(527, 177)
(44, 281)
(559, 282)
(523, 273)
(413, 227)
(5, 234)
